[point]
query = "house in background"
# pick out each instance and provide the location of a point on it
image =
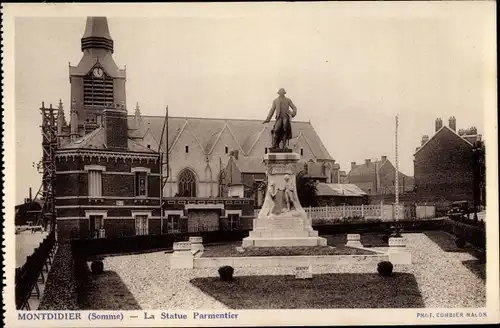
(336, 194)
(29, 212)
(450, 166)
(378, 177)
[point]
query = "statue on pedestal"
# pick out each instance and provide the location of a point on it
(282, 130)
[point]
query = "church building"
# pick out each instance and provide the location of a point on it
(108, 164)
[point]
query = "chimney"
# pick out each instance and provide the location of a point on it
(353, 165)
(384, 158)
(453, 123)
(425, 138)
(116, 127)
(367, 162)
(439, 124)
(31, 197)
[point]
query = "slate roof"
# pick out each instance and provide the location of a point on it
(207, 130)
(469, 139)
(97, 140)
(338, 189)
(366, 169)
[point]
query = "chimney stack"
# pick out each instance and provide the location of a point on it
(453, 123)
(368, 161)
(439, 124)
(384, 158)
(425, 138)
(353, 165)
(31, 197)
(116, 127)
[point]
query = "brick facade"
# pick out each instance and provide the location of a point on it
(445, 169)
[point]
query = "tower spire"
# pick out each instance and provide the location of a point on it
(138, 117)
(96, 35)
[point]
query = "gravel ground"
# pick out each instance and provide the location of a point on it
(145, 281)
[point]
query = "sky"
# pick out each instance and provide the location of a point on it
(349, 72)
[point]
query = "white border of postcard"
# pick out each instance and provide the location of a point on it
(254, 317)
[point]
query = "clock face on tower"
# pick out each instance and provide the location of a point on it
(98, 72)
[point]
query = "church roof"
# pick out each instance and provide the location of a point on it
(207, 130)
(97, 140)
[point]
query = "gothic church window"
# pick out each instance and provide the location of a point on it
(187, 184)
(97, 90)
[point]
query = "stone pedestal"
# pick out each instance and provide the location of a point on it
(398, 253)
(282, 222)
(354, 240)
(196, 244)
(182, 258)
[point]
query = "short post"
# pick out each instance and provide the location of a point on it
(196, 244)
(354, 240)
(397, 251)
(182, 258)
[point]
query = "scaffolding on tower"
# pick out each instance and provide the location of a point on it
(47, 167)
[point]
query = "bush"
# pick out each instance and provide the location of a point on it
(226, 273)
(384, 268)
(460, 242)
(97, 267)
(385, 239)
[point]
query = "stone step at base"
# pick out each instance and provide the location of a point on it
(282, 233)
(283, 242)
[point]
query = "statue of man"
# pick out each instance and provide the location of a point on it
(289, 193)
(282, 130)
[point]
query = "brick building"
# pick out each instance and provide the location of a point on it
(450, 166)
(108, 167)
(377, 177)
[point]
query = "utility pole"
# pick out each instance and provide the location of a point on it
(396, 179)
(164, 163)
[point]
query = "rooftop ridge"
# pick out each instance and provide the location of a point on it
(211, 118)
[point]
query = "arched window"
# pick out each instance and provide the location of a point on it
(187, 184)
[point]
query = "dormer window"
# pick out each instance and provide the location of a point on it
(97, 88)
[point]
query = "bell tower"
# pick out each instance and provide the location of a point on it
(96, 82)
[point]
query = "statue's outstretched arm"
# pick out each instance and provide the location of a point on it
(271, 112)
